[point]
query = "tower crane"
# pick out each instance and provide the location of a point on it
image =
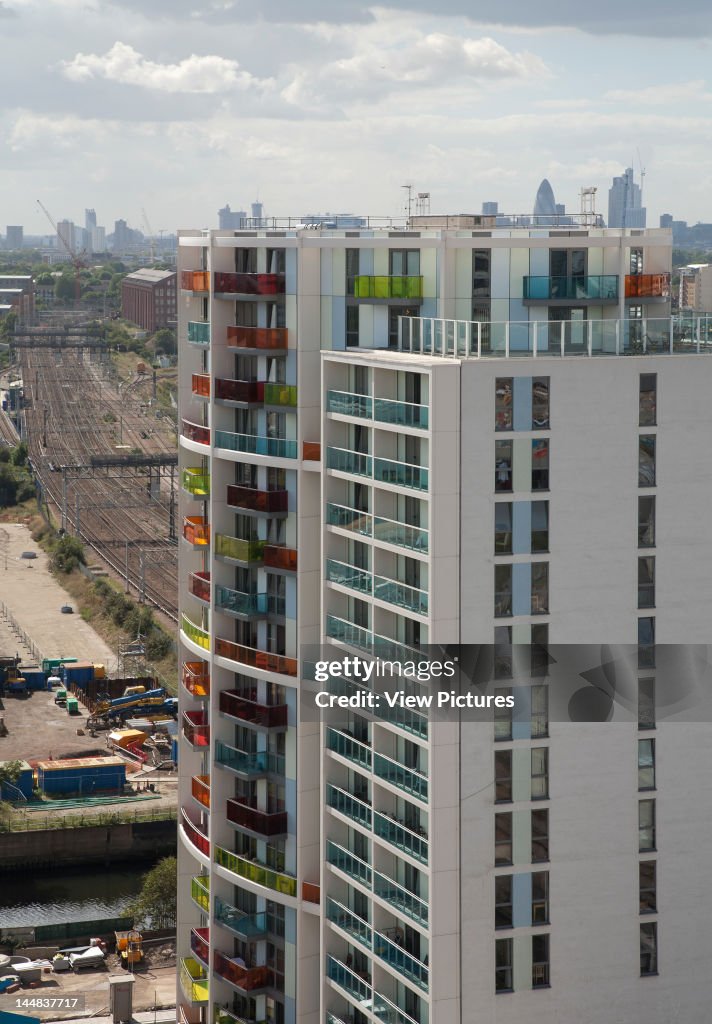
(77, 259)
(151, 236)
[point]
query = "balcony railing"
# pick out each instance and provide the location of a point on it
(647, 286)
(200, 944)
(196, 530)
(256, 658)
(199, 585)
(195, 280)
(349, 922)
(400, 836)
(280, 394)
(196, 432)
(311, 892)
(385, 287)
(263, 823)
(400, 898)
(352, 519)
(193, 980)
(250, 499)
(199, 636)
(200, 385)
(348, 862)
(602, 287)
(346, 403)
(345, 461)
(346, 979)
(236, 602)
(239, 550)
(198, 332)
(388, 1013)
(246, 979)
(196, 482)
(254, 444)
(223, 1016)
(348, 805)
(195, 837)
(245, 391)
(200, 789)
(278, 557)
(200, 892)
(269, 338)
(348, 633)
(398, 775)
(388, 471)
(349, 748)
(264, 715)
(311, 451)
(196, 678)
(411, 598)
(348, 576)
(254, 871)
(406, 964)
(248, 926)
(247, 284)
(252, 766)
(401, 535)
(196, 729)
(403, 414)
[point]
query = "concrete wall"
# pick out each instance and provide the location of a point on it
(100, 844)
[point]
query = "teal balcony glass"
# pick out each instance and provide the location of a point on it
(345, 461)
(198, 333)
(341, 916)
(400, 534)
(252, 605)
(252, 766)
(347, 862)
(388, 471)
(401, 837)
(348, 576)
(280, 394)
(349, 519)
(348, 633)
(256, 871)
(400, 594)
(398, 775)
(391, 953)
(349, 404)
(239, 550)
(387, 1012)
(346, 804)
(253, 444)
(348, 747)
(345, 978)
(402, 414)
(247, 926)
(382, 286)
(400, 899)
(596, 287)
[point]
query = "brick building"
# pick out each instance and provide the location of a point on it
(148, 298)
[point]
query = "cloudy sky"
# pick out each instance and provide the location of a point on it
(180, 106)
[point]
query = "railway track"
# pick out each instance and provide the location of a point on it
(9, 436)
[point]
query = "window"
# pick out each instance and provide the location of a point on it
(646, 825)
(649, 948)
(646, 642)
(394, 312)
(540, 961)
(646, 521)
(636, 261)
(540, 773)
(646, 703)
(352, 315)
(540, 836)
(646, 764)
(503, 528)
(404, 262)
(540, 526)
(539, 653)
(540, 588)
(503, 404)
(502, 590)
(648, 400)
(503, 652)
(647, 873)
(503, 465)
(503, 716)
(503, 838)
(503, 981)
(646, 460)
(540, 403)
(481, 276)
(646, 582)
(352, 263)
(540, 465)
(540, 897)
(540, 712)
(503, 901)
(503, 776)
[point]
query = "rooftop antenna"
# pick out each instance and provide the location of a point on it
(409, 190)
(642, 175)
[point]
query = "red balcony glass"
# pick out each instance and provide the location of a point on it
(196, 678)
(199, 585)
(266, 824)
(311, 892)
(194, 835)
(200, 385)
(268, 502)
(196, 531)
(189, 1014)
(200, 788)
(257, 337)
(196, 729)
(196, 432)
(245, 978)
(239, 390)
(647, 286)
(278, 557)
(200, 944)
(237, 706)
(311, 451)
(248, 284)
(195, 280)
(256, 658)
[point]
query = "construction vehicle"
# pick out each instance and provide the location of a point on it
(60, 697)
(129, 701)
(129, 947)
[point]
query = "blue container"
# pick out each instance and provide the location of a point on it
(174, 751)
(34, 677)
(25, 783)
(82, 776)
(81, 673)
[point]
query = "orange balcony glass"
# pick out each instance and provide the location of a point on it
(189, 1014)
(237, 706)
(311, 892)
(196, 432)
(278, 557)
(196, 530)
(196, 678)
(200, 385)
(248, 284)
(311, 451)
(200, 788)
(195, 280)
(239, 390)
(265, 823)
(195, 837)
(256, 658)
(199, 585)
(254, 500)
(200, 944)
(274, 338)
(247, 979)
(647, 286)
(196, 729)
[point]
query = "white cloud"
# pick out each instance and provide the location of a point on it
(662, 94)
(125, 65)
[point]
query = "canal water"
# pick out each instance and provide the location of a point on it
(68, 894)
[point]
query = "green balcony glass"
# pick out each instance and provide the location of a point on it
(400, 594)
(200, 892)
(346, 403)
(401, 837)
(280, 394)
(348, 576)
(400, 898)
(256, 872)
(347, 862)
(400, 534)
(349, 805)
(253, 444)
(248, 926)
(349, 519)
(345, 461)
(198, 333)
(348, 747)
(196, 482)
(199, 636)
(193, 980)
(388, 471)
(341, 916)
(398, 775)
(403, 414)
(382, 286)
(253, 766)
(238, 549)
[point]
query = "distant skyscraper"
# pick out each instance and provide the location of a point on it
(89, 219)
(625, 209)
(65, 235)
(258, 211)
(231, 220)
(490, 209)
(665, 220)
(121, 235)
(98, 239)
(14, 234)
(545, 204)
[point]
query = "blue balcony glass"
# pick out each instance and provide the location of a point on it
(391, 953)
(348, 805)
(400, 594)
(388, 471)
(253, 765)
(401, 837)
(400, 534)
(252, 605)
(595, 287)
(347, 862)
(345, 978)
(348, 576)
(254, 444)
(198, 333)
(348, 633)
(400, 899)
(402, 414)
(247, 926)
(351, 519)
(347, 403)
(349, 748)
(387, 1012)
(349, 922)
(345, 461)
(398, 775)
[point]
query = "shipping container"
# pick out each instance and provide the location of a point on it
(24, 783)
(34, 677)
(82, 775)
(81, 673)
(49, 665)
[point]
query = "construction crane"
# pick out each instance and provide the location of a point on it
(151, 237)
(77, 259)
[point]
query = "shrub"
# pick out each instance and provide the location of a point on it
(68, 555)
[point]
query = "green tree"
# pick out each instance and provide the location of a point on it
(64, 289)
(68, 554)
(10, 772)
(165, 341)
(19, 455)
(8, 487)
(155, 905)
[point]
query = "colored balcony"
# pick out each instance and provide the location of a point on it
(401, 899)
(195, 280)
(272, 339)
(238, 550)
(348, 805)
(199, 636)
(200, 892)
(256, 658)
(263, 715)
(198, 333)
(199, 585)
(356, 986)
(249, 927)
(392, 953)
(242, 392)
(357, 929)
(223, 1016)
(250, 499)
(196, 432)
(341, 858)
(246, 979)
(278, 557)
(196, 482)
(200, 789)
(350, 576)
(200, 385)
(194, 835)
(249, 765)
(311, 892)
(255, 444)
(402, 474)
(401, 595)
(596, 288)
(348, 747)
(280, 394)
(200, 944)
(193, 980)
(189, 1015)
(248, 606)
(402, 414)
(346, 403)
(259, 873)
(311, 451)
(248, 284)
(345, 461)
(385, 288)
(196, 530)
(647, 286)
(398, 835)
(263, 823)
(196, 729)
(407, 779)
(195, 677)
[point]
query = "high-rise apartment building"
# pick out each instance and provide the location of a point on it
(65, 236)
(13, 236)
(89, 220)
(430, 435)
(625, 202)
